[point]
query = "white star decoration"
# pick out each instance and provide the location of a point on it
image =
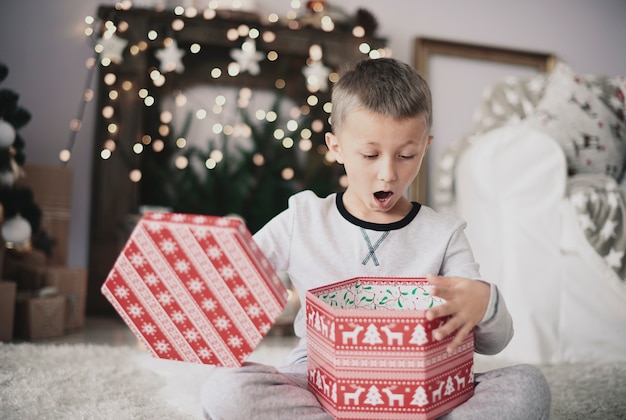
(511, 96)
(614, 258)
(600, 210)
(447, 162)
(616, 103)
(608, 230)
(527, 106)
(613, 200)
(445, 181)
(112, 47)
(248, 57)
(171, 58)
(536, 84)
(578, 200)
(497, 109)
(586, 222)
(316, 76)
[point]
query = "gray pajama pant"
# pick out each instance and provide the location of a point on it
(257, 391)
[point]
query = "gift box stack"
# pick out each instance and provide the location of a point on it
(40, 296)
(371, 353)
(42, 300)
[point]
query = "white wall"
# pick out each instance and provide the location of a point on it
(43, 44)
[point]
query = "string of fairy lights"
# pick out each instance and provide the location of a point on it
(108, 43)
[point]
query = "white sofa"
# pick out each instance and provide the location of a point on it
(514, 179)
(567, 304)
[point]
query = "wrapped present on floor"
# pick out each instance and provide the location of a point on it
(31, 277)
(40, 314)
(14, 262)
(7, 309)
(51, 184)
(71, 283)
(371, 353)
(195, 288)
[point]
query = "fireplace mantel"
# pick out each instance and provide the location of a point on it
(115, 198)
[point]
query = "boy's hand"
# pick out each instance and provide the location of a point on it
(466, 303)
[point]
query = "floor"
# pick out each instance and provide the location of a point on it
(113, 332)
(98, 330)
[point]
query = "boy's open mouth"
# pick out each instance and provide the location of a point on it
(382, 195)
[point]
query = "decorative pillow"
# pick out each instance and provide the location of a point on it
(507, 101)
(585, 114)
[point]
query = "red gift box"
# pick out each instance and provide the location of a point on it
(371, 353)
(195, 288)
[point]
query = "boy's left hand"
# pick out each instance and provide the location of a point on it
(466, 304)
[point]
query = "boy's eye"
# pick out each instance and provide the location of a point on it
(368, 156)
(407, 157)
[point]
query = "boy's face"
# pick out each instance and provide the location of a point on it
(381, 156)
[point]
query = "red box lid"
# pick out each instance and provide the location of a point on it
(195, 288)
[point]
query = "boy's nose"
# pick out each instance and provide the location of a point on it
(387, 171)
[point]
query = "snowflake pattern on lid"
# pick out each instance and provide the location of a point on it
(195, 288)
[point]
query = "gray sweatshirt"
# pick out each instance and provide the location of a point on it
(317, 242)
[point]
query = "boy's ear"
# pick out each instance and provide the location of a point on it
(333, 146)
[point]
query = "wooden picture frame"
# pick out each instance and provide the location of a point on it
(426, 48)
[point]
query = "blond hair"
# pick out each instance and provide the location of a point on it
(384, 86)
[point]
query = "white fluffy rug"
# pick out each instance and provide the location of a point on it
(80, 382)
(76, 381)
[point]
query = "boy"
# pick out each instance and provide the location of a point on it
(381, 120)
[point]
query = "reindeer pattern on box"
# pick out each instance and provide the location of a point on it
(371, 350)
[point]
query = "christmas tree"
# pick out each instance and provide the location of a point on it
(248, 182)
(372, 336)
(419, 397)
(21, 215)
(449, 386)
(419, 336)
(373, 396)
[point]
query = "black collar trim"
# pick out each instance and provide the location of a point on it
(382, 227)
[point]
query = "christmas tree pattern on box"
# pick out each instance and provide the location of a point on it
(371, 353)
(195, 288)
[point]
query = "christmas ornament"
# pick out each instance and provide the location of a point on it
(248, 57)
(171, 57)
(7, 134)
(7, 179)
(112, 47)
(12, 118)
(316, 76)
(22, 216)
(16, 232)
